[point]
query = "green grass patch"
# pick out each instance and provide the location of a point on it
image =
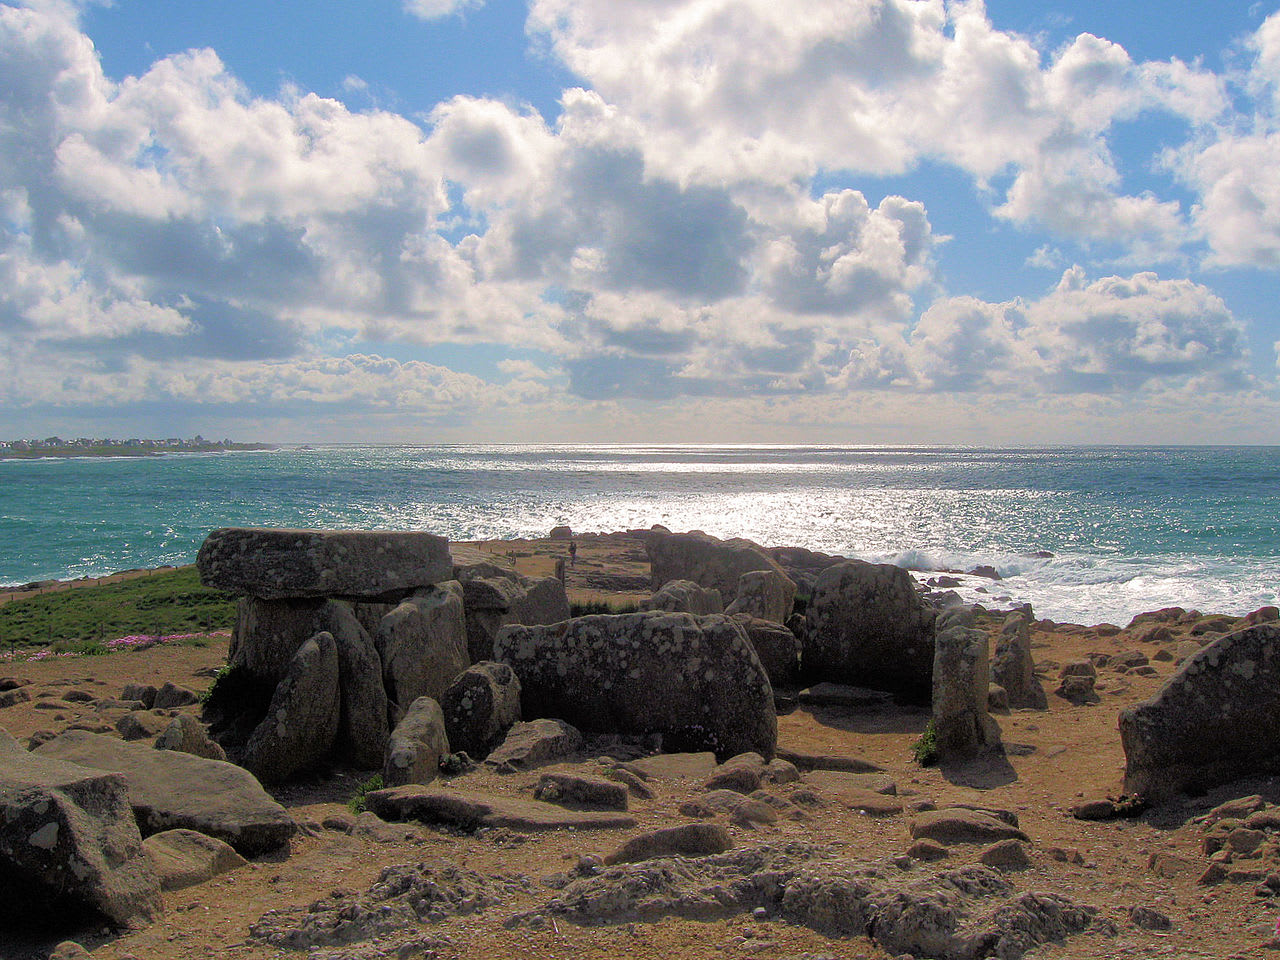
(357, 802)
(160, 604)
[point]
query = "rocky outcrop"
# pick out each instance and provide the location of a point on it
(480, 706)
(493, 602)
(1013, 666)
(467, 810)
(764, 595)
(962, 725)
(423, 644)
(708, 562)
(695, 680)
(70, 850)
(866, 626)
(275, 564)
(684, 596)
(417, 745)
(301, 724)
(169, 789)
(1215, 720)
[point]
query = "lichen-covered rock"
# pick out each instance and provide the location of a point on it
(269, 632)
(489, 605)
(684, 596)
(1013, 666)
(70, 850)
(417, 745)
(274, 564)
(764, 595)
(363, 721)
(695, 680)
(776, 646)
(866, 626)
(963, 727)
(1215, 720)
(707, 561)
(544, 601)
(423, 644)
(480, 706)
(301, 724)
(169, 789)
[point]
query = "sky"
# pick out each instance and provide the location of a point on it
(842, 221)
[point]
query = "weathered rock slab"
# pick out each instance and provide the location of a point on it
(302, 721)
(695, 680)
(480, 706)
(184, 858)
(686, 840)
(168, 789)
(471, 811)
(275, 564)
(417, 745)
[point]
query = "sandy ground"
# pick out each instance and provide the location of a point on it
(1054, 759)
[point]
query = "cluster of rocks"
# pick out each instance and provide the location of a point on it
(92, 827)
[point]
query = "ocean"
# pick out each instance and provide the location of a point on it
(1085, 534)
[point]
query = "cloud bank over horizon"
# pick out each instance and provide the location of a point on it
(734, 206)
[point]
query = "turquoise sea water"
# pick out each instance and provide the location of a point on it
(1130, 529)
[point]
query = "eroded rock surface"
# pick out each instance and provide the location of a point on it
(1216, 719)
(695, 680)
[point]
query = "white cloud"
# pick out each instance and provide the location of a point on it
(1115, 334)
(437, 9)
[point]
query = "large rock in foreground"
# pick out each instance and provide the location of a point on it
(1215, 720)
(866, 626)
(70, 850)
(274, 564)
(169, 789)
(695, 680)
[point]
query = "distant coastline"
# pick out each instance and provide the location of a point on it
(56, 447)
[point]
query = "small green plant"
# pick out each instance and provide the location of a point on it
(925, 750)
(213, 684)
(357, 802)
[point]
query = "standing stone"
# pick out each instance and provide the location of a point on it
(684, 596)
(423, 644)
(489, 606)
(417, 745)
(960, 680)
(776, 646)
(1217, 719)
(275, 564)
(269, 632)
(765, 595)
(1014, 667)
(544, 601)
(480, 706)
(70, 850)
(711, 563)
(363, 725)
(301, 724)
(695, 680)
(866, 626)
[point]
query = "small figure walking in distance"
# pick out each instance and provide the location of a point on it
(573, 552)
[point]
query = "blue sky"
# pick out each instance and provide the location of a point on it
(679, 220)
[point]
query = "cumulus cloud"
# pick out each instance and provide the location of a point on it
(1112, 335)
(744, 89)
